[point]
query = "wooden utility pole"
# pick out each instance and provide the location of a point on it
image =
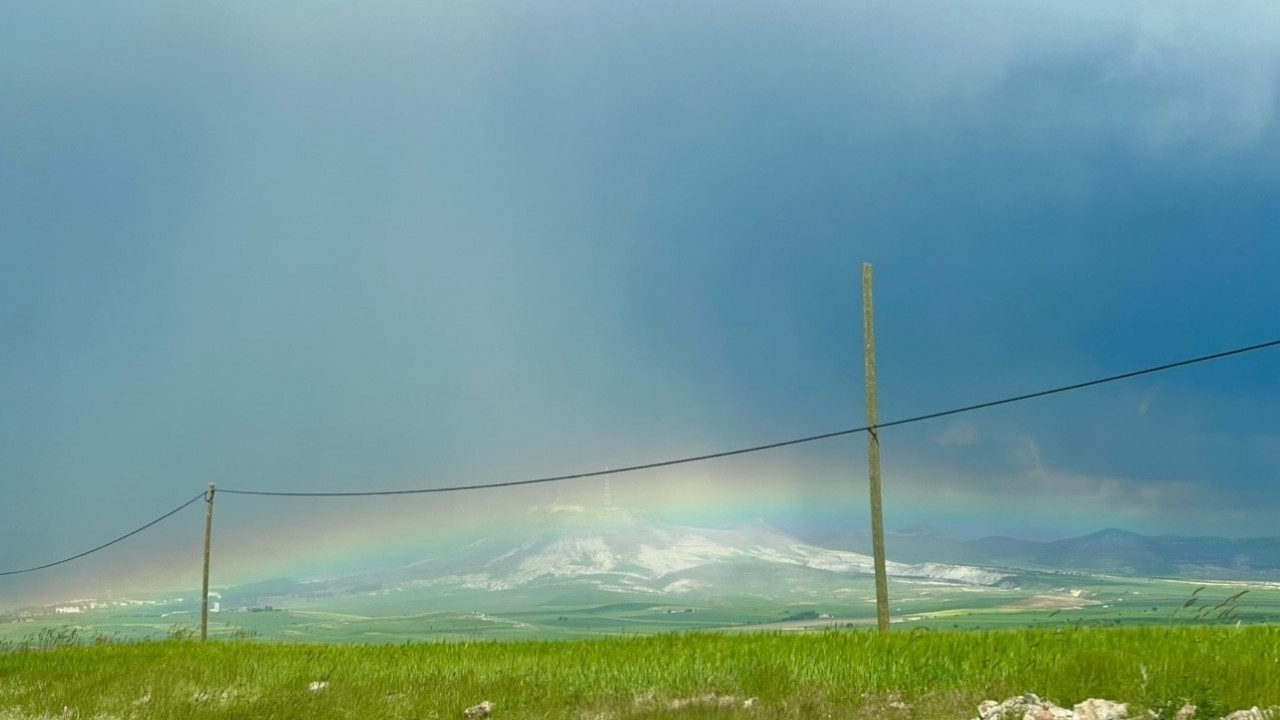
(208, 536)
(873, 452)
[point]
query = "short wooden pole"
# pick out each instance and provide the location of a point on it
(208, 537)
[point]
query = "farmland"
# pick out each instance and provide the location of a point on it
(838, 674)
(1040, 600)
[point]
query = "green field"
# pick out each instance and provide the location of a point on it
(833, 674)
(1045, 600)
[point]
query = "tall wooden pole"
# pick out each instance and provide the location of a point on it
(208, 536)
(873, 452)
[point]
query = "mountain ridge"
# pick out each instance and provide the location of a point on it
(626, 552)
(1107, 551)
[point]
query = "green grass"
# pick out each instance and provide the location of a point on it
(939, 674)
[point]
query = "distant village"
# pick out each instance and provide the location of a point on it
(165, 607)
(80, 607)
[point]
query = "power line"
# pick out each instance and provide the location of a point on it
(772, 446)
(1079, 386)
(108, 544)
(679, 461)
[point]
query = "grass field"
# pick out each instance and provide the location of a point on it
(836, 674)
(1056, 601)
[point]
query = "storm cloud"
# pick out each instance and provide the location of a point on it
(410, 245)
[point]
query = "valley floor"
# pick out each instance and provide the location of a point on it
(1042, 600)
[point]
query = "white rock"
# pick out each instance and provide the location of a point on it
(1251, 714)
(482, 710)
(1095, 709)
(318, 686)
(1047, 711)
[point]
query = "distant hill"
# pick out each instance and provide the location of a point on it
(1109, 551)
(620, 552)
(614, 555)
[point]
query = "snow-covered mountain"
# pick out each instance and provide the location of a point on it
(624, 551)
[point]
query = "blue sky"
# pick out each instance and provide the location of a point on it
(333, 246)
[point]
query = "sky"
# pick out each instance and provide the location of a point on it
(335, 246)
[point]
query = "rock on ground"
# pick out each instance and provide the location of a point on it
(1031, 707)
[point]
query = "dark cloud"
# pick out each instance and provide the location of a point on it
(418, 245)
